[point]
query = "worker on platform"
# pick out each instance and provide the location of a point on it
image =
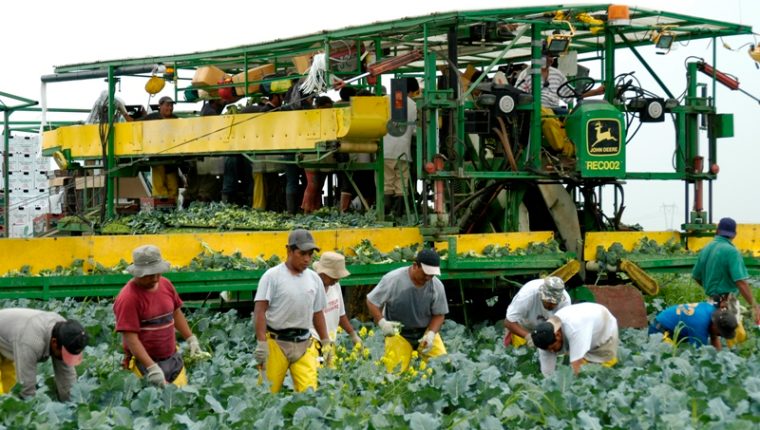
(148, 311)
(289, 300)
(552, 80)
(409, 306)
(588, 332)
(537, 301)
(164, 177)
(331, 268)
(697, 323)
(29, 337)
(264, 188)
(315, 180)
(364, 180)
(397, 155)
(720, 270)
(99, 112)
(203, 176)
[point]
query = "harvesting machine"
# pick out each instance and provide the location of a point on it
(485, 174)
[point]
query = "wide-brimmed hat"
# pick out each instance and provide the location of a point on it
(552, 290)
(146, 260)
(332, 264)
(72, 339)
(429, 261)
(302, 240)
(726, 323)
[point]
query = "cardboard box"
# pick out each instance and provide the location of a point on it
(157, 203)
(302, 63)
(45, 222)
(43, 164)
(20, 180)
(254, 74)
(19, 215)
(206, 76)
(40, 180)
(21, 230)
(24, 162)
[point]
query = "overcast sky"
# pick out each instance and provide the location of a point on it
(40, 35)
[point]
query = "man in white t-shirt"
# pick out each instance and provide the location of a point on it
(588, 332)
(290, 299)
(331, 268)
(536, 301)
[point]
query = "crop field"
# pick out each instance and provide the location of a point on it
(479, 384)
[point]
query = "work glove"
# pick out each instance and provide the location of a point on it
(529, 341)
(193, 345)
(328, 352)
(426, 342)
(356, 339)
(194, 352)
(261, 353)
(155, 375)
(389, 328)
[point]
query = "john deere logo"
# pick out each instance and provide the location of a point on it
(603, 137)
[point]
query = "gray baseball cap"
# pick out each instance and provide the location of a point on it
(302, 240)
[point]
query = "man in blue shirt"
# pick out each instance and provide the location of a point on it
(696, 323)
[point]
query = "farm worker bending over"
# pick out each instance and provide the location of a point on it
(28, 337)
(696, 323)
(331, 268)
(536, 301)
(409, 305)
(148, 310)
(720, 270)
(587, 331)
(289, 299)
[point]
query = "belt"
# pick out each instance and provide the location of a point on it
(289, 334)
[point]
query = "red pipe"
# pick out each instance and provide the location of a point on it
(698, 186)
(438, 186)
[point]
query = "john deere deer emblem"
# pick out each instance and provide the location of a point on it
(603, 137)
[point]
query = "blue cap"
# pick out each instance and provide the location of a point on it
(726, 228)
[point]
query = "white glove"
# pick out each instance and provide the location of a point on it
(193, 345)
(155, 375)
(529, 341)
(426, 342)
(356, 339)
(328, 351)
(262, 352)
(389, 328)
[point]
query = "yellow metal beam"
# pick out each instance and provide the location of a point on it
(179, 249)
(476, 242)
(626, 238)
(747, 239)
(363, 121)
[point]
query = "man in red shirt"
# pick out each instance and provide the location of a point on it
(148, 310)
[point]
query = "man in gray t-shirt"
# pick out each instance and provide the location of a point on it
(28, 337)
(409, 306)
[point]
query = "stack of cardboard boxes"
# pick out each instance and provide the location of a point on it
(28, 189)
